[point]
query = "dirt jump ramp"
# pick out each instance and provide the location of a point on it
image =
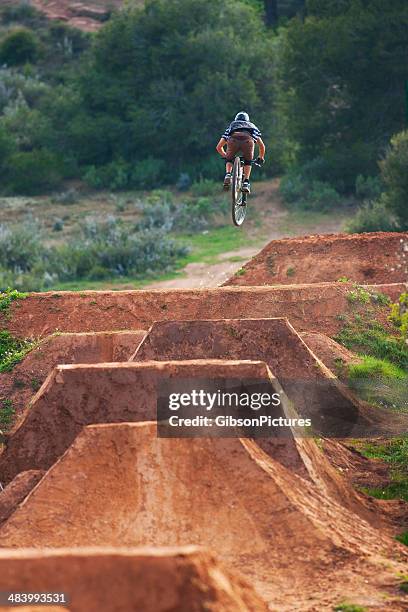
(121, 485)
(308, 307)
(313, 389)
(26, 378)
(185, 579)
(77, 395)
(372, 258)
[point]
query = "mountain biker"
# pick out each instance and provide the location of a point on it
(241, 135)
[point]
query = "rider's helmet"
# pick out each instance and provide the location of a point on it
(242, 116)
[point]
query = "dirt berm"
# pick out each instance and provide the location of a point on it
(373, 258)
(26, 377)
(314, 390)
(313, 307)
(121, 485)
(121, 579)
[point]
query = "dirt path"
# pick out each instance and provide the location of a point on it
(272, 221)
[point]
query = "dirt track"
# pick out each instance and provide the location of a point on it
(84, 464)
(364, 258)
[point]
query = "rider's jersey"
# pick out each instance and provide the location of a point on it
(242, 126)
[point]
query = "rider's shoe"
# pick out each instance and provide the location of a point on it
(246, 186)
(227, 180)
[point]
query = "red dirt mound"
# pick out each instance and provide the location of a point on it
(308, 307)
(122, 485)
(122, 580)
(314, 390)
(78, 395)
(374, 258)
(330, 352)
(26, 378)
(17, 491)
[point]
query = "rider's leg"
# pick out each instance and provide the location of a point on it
(228, 167)
(247, 172)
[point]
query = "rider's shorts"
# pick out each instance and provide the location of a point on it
(240, 142)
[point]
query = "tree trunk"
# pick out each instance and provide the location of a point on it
(271, 12)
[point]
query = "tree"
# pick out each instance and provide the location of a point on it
(18, 47)
(271, 12)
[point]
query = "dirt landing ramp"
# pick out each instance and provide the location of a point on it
(27, 377)
(308, 307)
(121, 485)
(16, 492)
(314, 390)
(78, 395)
(124, 580)
(375, 258)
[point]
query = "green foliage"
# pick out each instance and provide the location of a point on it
(206, 188)
(366, 337)
(33, 172)
(7, 413)
(403, 538)
(12, 350)
(394, 452)
(340, 93)
(369, 187)
(372, 216)
(399, 315)
(395, 176)
(304, 194)
(18, 47)
(346, 607)
(7, 297)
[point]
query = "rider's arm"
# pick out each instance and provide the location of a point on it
(220, 147)
(261, 146)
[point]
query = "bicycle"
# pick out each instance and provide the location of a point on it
(239, 198)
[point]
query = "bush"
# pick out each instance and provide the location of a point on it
(368, 188)
(395, 176)
(19, 47)
(372, 217)
(148, 173)
(206, 187)
(111, 176)
(20, 247)
(308, 195)
(33, 172)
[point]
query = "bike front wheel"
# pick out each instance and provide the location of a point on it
(238, 198)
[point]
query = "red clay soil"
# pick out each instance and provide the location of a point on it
(186, 579)
(375, 258)
(314, 390)
(330, 352)
(308, 307)
(26, 378)
(17, 491)
(79, 395)
(121, 485)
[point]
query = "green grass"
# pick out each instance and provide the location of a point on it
(403, 538)
(365, 336)
(207, 247)
(345, 607)
(395, 453)
(373, 368)
(9, 296)
(6, 414)
(12, 350)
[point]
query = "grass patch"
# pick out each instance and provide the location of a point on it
(395, 453)
(206, 247)
(9, 296)
(12, 350)
(403, 538)
(7, 413)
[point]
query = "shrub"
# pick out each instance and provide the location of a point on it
(33, 172)
(206, 187)
(18, 47)
(20, 247)
(147, 173)
(395, 176)
(114, 175)
(183, 182)
(6, 414)
(368, 188)
(306, 194)
(372, 217)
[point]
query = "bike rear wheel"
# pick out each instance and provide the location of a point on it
(238, 198)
